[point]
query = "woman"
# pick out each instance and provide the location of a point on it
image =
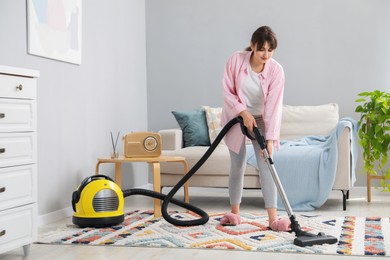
(253, 84)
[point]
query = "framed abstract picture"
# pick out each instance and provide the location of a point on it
(54, 29)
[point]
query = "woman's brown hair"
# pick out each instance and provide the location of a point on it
(262, 35)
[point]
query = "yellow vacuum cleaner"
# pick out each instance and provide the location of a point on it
(98, 202)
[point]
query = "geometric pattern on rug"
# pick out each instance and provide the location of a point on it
(356, 235)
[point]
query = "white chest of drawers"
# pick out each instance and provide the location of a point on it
(18, 158)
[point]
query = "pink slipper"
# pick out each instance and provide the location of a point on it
(281, 224)
(230, 219)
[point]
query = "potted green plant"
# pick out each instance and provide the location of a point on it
(374, 135)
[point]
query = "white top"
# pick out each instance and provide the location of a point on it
(253, 93)
(19, 71)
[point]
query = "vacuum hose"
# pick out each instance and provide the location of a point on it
(303, 238)
(168, 198)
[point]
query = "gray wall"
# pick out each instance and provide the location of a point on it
(78, 105)
(331, 51)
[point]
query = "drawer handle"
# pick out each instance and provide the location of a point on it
(2, 150)
(2, 115)
(2, 189)
(19, 88)
(2, 233)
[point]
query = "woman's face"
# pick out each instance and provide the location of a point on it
(263, 54)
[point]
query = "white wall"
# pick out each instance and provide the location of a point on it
(78, 105)
(331, 50)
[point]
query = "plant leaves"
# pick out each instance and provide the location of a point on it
(374, 133)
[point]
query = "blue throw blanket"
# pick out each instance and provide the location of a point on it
(307, 167)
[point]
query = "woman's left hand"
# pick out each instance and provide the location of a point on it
(270, 147)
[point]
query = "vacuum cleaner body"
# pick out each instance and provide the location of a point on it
(98, 202)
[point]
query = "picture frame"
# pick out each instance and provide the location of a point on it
(55, 29)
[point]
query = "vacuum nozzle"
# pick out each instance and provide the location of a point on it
(309, 239)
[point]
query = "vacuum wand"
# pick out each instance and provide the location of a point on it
(260, 139)
(303, 238)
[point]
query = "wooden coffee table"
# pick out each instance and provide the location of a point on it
(155, 163)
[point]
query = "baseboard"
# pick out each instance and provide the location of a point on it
(58, 215)
(54, 216)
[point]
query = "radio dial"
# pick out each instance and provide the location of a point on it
(150, 143)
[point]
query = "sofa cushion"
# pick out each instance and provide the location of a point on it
(213, 117)
(194, 127)
(217, 164)
(301, 121)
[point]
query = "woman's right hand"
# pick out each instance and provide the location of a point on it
(249, 120)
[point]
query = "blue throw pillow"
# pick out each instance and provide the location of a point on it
(194, 127)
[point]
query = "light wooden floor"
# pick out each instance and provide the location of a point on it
(211, 200)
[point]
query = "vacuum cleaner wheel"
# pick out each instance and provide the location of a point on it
(98, 222)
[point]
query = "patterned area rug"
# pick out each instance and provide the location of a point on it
(357, 235)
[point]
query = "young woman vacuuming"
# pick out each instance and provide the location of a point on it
(253, 84)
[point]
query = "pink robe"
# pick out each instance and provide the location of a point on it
(272, 83)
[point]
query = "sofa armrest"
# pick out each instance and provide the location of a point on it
(343, 175)
(171, 139)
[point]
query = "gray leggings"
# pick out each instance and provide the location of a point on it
(237, 170)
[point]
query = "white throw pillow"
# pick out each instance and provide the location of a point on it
(213, 117)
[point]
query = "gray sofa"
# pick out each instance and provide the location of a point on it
(297, 122)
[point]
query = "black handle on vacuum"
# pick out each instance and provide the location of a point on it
(97, 176)
(91, 178)
(258, 136)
